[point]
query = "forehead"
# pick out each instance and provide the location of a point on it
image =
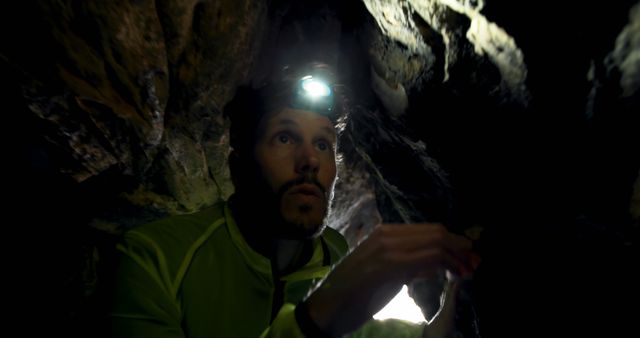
(298, 118)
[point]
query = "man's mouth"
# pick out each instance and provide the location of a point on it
(307, 189)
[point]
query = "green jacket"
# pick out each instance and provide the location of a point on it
(195, 276)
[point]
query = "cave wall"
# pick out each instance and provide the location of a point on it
(518, 119)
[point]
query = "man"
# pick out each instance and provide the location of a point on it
(245, 268)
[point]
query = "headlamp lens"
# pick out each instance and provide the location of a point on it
(315, 88)
(313, 94)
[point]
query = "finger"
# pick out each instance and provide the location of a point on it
(414, 236)
(406, 248)
(451, 291)
(471, 262)
(424, 262)
(443, 323)
(475, 260)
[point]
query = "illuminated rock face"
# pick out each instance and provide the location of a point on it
(115, 110)
(138, 89)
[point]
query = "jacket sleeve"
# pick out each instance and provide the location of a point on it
(142, 303)
(388, 328)
(284, 325)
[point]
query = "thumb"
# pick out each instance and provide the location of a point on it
(443, 323)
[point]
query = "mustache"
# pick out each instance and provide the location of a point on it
(305, 179)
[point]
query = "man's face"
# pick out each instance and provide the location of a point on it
(295, 151)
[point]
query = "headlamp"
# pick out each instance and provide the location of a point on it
(314, 88)
(314, 94)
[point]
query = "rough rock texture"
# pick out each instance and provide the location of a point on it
(512, 120)
(139, 89)
(116, 109)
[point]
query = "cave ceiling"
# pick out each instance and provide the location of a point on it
(116, 108)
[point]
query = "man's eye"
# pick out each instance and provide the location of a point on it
(322, 146)
(283, 138)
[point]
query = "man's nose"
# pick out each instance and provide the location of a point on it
(307, 159)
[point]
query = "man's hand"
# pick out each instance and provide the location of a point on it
(442, 325)
(372, 274)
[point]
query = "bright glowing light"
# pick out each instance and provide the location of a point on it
(401, 307)
(315, 88)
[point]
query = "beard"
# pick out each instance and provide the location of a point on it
(302, 219)
(271, 214)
